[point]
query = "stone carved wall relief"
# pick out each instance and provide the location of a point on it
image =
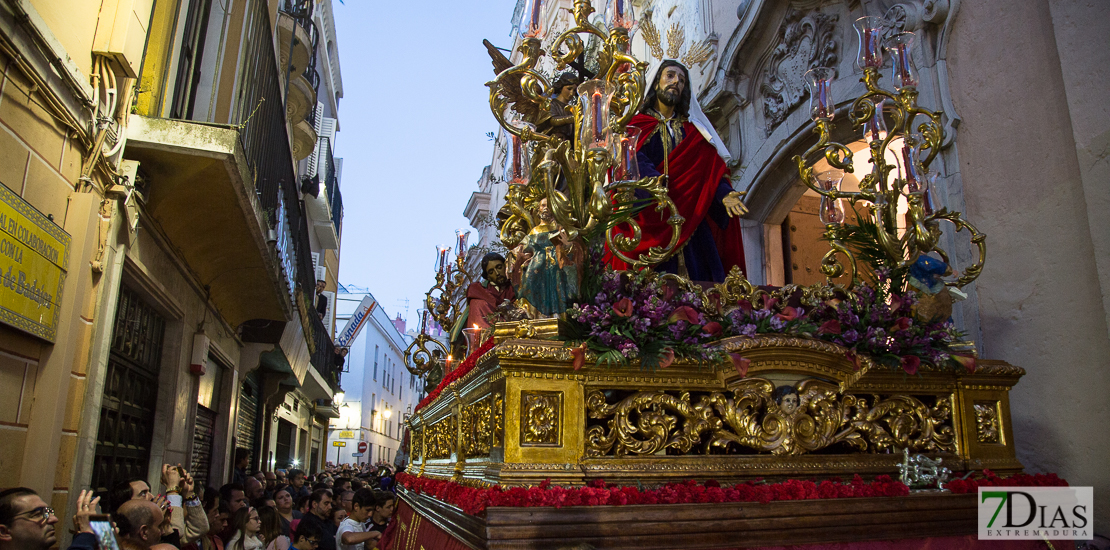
(806, 40)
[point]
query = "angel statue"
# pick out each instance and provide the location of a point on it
(547, 265)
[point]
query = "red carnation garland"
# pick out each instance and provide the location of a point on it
(466, 366)
(474, 501)
(990, 479)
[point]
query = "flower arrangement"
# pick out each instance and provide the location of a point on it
(638, 314)
(876, 323)
(474, 501)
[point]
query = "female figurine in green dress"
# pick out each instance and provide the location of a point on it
(548, 265)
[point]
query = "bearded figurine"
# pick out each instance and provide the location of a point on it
(492, 295)
(678, 141)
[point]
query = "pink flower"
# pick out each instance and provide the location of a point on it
(788, 314)
(832, 326)
(966, 360)
(685, 313)
(667, 358)
(712, 328)
(910, 364)
(895, 302)
(769, 302)
(741, 364)
(903, 323)
(579, 355)
(668, 292)
(745, 306)
(623, 307)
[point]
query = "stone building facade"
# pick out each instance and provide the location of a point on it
(162, 175)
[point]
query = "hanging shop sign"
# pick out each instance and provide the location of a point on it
(34, 257)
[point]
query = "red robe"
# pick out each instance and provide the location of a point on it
(696, 169)
(483, 301)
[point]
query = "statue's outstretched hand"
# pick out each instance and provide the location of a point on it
(734, 205)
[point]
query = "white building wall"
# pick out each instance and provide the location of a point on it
(377, 385)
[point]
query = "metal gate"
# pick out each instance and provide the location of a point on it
(246, 427)
(130, 394)
(203, 436)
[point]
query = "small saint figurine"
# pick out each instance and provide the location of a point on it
(548, 266)
(934, 300)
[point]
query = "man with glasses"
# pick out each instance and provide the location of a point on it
(26, 522)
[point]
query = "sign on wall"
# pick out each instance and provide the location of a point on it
(346, 434)
(34, 258)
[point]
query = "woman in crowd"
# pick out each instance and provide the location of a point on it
(246, 526)
(271, 524)
(338, 514)
(284, 501)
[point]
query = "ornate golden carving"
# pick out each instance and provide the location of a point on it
(498, 412)
(477, 423)
(648, 422)
(441, 438)
(417, 444)
(534, 351)
(987, 425)
(1003, 369)
(540, 416)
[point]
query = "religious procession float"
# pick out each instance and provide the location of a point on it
(614, 380)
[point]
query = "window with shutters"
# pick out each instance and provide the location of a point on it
(246, 428)
(189, 59)
(130, 393)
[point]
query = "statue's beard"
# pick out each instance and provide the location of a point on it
(669, 97)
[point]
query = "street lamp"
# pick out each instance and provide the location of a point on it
(387, 413)
(339, 397)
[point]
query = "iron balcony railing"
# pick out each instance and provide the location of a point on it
(301, 12)
(264, 136)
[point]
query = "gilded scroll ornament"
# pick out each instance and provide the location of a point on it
(986, 422)
(540, 417)
(811, 417)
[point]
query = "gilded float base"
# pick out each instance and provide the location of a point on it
(803, 410)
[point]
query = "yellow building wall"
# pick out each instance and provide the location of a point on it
(73, 23)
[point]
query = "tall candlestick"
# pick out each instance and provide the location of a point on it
(904, 72)
(534, 19)
(820, 92)
(518, 153)
(441, 258)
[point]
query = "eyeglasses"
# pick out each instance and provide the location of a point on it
(38, 515)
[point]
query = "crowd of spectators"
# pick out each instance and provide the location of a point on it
(340, 508)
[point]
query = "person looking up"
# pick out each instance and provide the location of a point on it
(283, 502)
(245, 526)
(26, 522)
(353, 532)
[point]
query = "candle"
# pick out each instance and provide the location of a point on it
(463, 236)
(534, 23)
(909, 157)
(423, 321)
(518, 154)
(871, 55)
(599, 124)
(441, 258)
(823, 99)
(870, 33)
(875, 127)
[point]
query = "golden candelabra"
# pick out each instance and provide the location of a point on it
(588, 183)
(881, 194)
(444, 303)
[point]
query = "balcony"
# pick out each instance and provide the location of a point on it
(296, 31)
(324, 202)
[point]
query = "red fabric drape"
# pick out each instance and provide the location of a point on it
(409, 530)
(695, 169)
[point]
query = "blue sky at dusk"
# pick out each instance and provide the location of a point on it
(413, 120)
